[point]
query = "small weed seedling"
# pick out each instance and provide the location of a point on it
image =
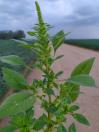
(19, 107)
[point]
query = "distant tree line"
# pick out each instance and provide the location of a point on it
(12, 34)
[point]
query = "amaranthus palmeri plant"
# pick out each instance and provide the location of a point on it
(56, 99)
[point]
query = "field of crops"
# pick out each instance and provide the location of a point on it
(86, 43)
(8, 47)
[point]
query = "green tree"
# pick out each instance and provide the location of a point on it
(19, 34)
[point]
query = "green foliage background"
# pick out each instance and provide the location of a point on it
(8, 47)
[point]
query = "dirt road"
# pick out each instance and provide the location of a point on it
(89, 101)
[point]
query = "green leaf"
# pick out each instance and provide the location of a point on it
(66, 100)
(72, 128)
(16, 103)
(24, 129)
(70, 90)
(50, 91)
(73, 89)
(84, 67)
(81, 119)
(40, 123)
(31, 33)
(24, 44)
(58, 39)
(59, 57)
(23, 119)
(52, 108)
(59, 73)
(19, 120)
(12, 60)
(84, 80)
(14, 79)
(74, 108)
(61, 128)
(8, 128)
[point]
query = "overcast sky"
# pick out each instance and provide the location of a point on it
(81, 17)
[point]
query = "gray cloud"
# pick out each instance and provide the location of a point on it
(16, 14)
(76, 15)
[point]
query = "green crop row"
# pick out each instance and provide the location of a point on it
(86, 43)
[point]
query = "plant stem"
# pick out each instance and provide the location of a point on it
(49, 115)
(49, 98)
